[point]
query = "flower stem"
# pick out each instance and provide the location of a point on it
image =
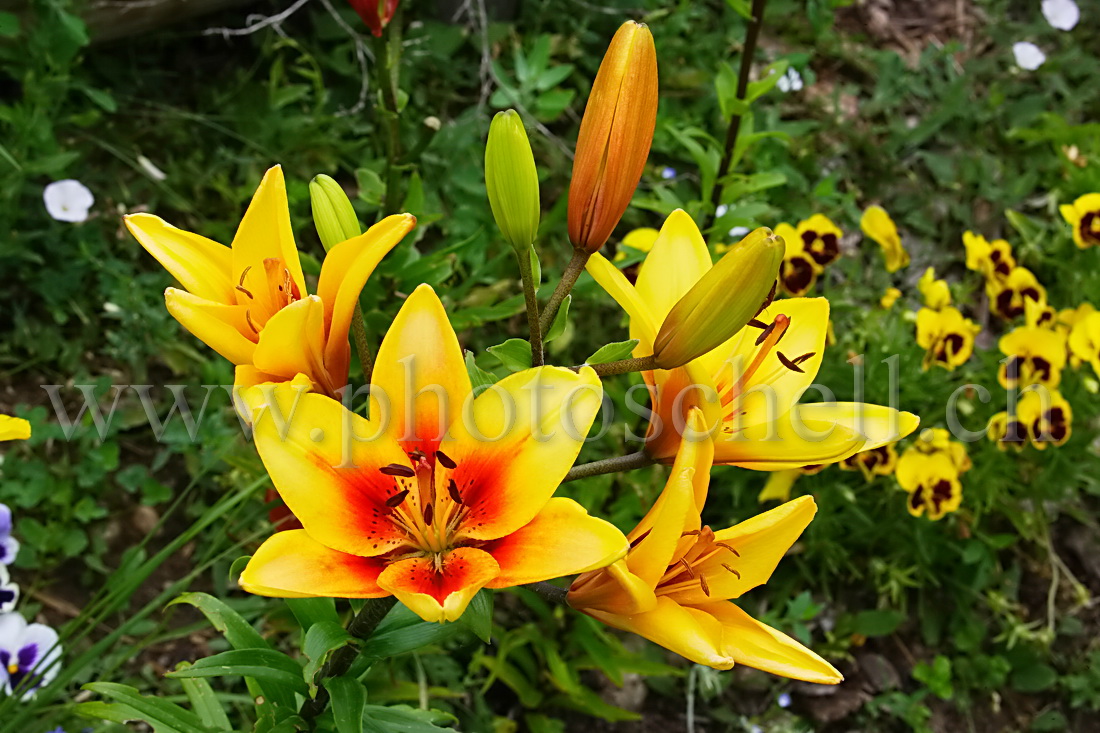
(528, 277)
(734, 128)
(609, 465)
(549, 592)
(625, 366)
(359, 334)
(388, 59)
(568, 279)
(361, 627)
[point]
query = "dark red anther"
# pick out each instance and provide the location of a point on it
(396, 469)
(397, 498)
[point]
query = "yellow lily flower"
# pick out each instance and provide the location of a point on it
(799, 271)
(1035, 356)
(932, 483)
(641, 239)
(14, 428)
(1007, 295)
(438, 494)
(992, 259)
(1046, 416)
(878, 225)
(1084, 216)
(889, 298)
(249, 302)
(880, 461)
(946, 336)
(1084, 340)
(675, 585)
(748, 388)
(936, 294)
(779, 484)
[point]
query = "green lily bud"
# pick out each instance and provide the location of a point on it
(333, 214)
(722, 301)
(512, 181)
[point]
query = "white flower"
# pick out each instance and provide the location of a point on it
(668, 173)
(790, 82)
(28, 655)
(721, 210)
(738, 232)
(1061, 14)
(9, 592)
(1028, 55)
(68, 200)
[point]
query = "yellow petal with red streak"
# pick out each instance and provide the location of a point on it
(292, 564)
(440, 594)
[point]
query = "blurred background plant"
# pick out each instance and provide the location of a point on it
(984, 620)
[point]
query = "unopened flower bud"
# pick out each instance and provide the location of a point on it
(512, 180)
(722, 302)
(614, 139)
(333, 214)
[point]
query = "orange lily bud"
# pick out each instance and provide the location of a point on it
(722, 301)
(615, 135)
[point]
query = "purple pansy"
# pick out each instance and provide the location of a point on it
(9, 546)
(9, 592)
(28, 655)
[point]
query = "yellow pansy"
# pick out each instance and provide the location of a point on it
(878, 225)
(1035, 356)
(1007, 432)
(1084, 340)
(938, 441)
(249, 302)
(640, 239)
(946, 336)
(675, 585)
(749, 387)
(880, 461)
(889, 298)
(935, 292)
(1007, 295)
(799, 271)
(1084, 216)
(14, 428)
(820, 239)
(1046, 416)
(932, 483)
(992, 259)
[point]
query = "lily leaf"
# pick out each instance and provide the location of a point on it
(612, 352)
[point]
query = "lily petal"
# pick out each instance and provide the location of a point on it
(877, 424)
(324, 461)
(760, 543)
(344, 272)
(264, 234)
(14, 428)
(561, 540)
(759, 646)
(201, 265)
(678, 260)
(291, 564)
(420, 383)
(691, 633)
(613, 590)
(443, 594)
(292, 343)
(216, 325)
(643, 320)
(515, 443)
(791, 441)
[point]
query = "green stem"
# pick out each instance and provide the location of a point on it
(361, 627)
(568, 279)
(388, 61)
(625, 366)
(734, 128)
(549, 592)
(609, 465)
(359, 334)
(528, 277)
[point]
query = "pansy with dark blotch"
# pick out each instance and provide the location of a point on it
(9, 546)
(9, 591)
(28, 655)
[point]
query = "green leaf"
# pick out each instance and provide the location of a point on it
(514, 354)
(479, 378)
(773, 73)
(204, 701)
(322, 639)
(371, 188)
(404, 719)
(741, 7)
(403, 631)
(877, 623)
(536, 269)
(238, 632)
(164, 716)
(478, 616)
(310, 611)
(612, 352)
(349, 701)
(557, 328)
(264, 665)
(9, 25)
(725, 84)
(1034, 677)
(238, 567)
